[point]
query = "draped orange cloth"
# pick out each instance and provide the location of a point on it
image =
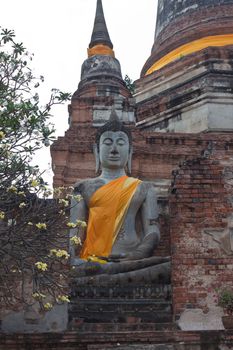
(100, 49)
(107, 209)
(191, 47)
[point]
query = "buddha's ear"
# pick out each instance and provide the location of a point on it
(97, 158)
(129, 163)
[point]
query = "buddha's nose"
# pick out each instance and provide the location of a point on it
(114, 149)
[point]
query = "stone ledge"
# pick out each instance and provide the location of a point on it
(161, 340)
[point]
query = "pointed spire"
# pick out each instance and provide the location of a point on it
(100, 32)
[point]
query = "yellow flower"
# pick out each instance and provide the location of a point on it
(64, 202)
(59, 253)
(41, 266)
(75, 240)
(48, 193)
(53, 252)
(78, 197)
(22, 205)
(21, 193)
(48, 306)
(81, 223)
(34, 183)
(71, 224)
(63, 298)
(2, 215)
(12, 189)
(62, 254)
(41, 226)
(57, 191)
(2, 135)
(38, 295)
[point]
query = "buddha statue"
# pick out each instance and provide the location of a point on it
(122, 217)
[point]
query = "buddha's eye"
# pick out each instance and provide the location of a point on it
(121, 142)
(107, 142)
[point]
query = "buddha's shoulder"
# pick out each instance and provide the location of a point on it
(82, 186)
(147, 187)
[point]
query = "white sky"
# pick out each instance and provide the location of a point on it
(58, 33)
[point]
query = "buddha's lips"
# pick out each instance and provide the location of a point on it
(114, 158)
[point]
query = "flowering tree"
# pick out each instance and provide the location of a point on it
(33, 228)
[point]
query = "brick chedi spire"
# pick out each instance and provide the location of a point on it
(101, 62)
(100, 38)
(188, 26)
(100, 89)
(186, 84)
(101, 71)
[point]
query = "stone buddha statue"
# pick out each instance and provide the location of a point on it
(122, 217)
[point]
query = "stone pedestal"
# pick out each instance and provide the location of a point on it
(131, 306)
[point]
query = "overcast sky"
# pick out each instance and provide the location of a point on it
(58, 33)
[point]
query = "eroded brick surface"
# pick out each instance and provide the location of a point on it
(201, 214)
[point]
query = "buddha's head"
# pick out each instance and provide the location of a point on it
(113, 148)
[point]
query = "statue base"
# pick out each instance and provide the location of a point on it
(133, 305)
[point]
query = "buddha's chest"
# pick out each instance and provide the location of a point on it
(90, 189)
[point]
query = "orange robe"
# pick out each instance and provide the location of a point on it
(107, 210)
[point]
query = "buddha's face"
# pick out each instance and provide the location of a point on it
(114, 149)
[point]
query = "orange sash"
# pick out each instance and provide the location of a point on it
(107, 211)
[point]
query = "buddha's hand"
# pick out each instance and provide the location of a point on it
(145, 249)
(123, 257)
(114, 257)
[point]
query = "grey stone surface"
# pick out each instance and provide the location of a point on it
(196, 320)
(169, 10)
(100, 66)
(220, 240)
(202, 116)
(101, 113)
(140, 347)
(31, 321)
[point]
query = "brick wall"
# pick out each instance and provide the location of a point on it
(201, 222)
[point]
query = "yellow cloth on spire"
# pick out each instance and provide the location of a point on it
(100, 49)
(191, 47)
(107, 209)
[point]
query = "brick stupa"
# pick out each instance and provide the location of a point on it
(186, 84)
